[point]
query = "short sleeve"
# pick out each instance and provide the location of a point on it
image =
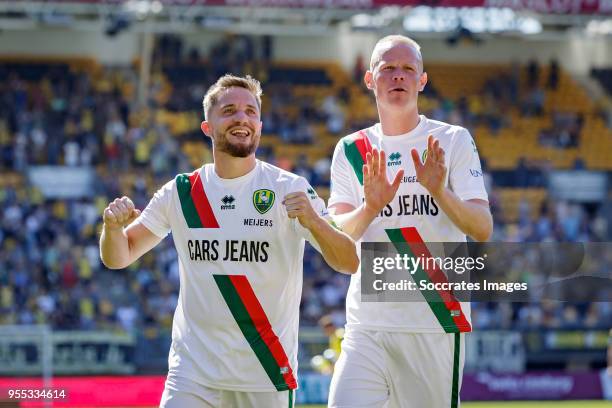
(465, 172)
(155, 215)
(300, 184)
(343, 187)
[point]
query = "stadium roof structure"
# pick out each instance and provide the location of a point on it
(303, 17)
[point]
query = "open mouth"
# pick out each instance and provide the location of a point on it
(397, 90)
(240, 132)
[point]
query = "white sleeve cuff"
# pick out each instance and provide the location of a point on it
(161, 232)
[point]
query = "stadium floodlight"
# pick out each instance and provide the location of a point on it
(599, 27)
(361, 21)
(383, 18)
(473, 19)
(530, 26)
(143, 8)
(157, 7)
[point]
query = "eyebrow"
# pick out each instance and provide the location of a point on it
(382, 62)
(414, 65)
(233, 105)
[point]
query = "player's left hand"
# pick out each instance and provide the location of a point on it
(432, 173)
(298, 206)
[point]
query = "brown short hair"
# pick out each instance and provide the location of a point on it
(228, 81)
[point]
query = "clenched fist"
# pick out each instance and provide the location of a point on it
(119, 213)
(298, 206)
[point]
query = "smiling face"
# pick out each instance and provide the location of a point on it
(396, 75)
(234, 122)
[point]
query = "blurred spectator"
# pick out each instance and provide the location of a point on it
(533, 73)
(521, 174)
(334, 115)
(321, 170)
(302, 168)
(533, 105)
(359, 69)
(565, 130)
(325, 363)
(553, 74)
(303, 133)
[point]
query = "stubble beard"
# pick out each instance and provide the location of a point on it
(222, 144)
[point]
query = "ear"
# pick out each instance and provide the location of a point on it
(368, 79)
(422, 81)
(206, 129)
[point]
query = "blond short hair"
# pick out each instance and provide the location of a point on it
(376, 54)
(229, 81)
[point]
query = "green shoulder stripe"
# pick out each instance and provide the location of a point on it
(355, 149)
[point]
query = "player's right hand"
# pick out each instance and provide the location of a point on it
(377, 189)
(119, 213)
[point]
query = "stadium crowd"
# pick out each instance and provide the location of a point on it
(50, 271)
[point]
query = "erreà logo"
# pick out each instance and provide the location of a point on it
(312, 192)
(228, 201)
(263, 200)
(394, 159)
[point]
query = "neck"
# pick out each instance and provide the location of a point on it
(229, 167)
(396, 122)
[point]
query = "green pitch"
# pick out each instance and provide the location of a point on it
(527, 404)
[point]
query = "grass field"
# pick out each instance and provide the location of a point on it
(525, 404)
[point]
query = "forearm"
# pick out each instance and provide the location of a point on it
(355, 222)
(337, 248)
(473, 219)
(114, 248)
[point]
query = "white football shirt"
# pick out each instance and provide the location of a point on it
(240, 264)
(412, 216)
